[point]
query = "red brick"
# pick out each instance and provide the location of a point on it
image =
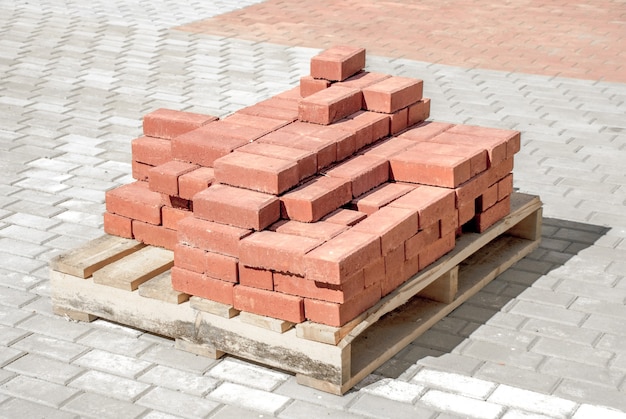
(392, 224)
(151, 150)
(429, 169)
(167, 123)
(425, 131)
(374, 272)
(496, 148)
(262, 124)
(430, 202)
(175, 202)
(269, 303)
(339, 258)
(135, 200)
(190, 258)
(193, 182)
(222, 267)
(418, 243)
(345, 217)
(368, 127)
(171, 216)
(118, 225)
(491, 215)
(418, 112)
(259, 173)
(164, 177)
(364, 172)
(477, 156)
(392, 94)
(363, 79)
(305, 160)
(324, 150)
(398, 121)
(310, 85)
(337, 315)
(154, 235)
(466, 211)
(302, 287)
(208, 235)
(394, 270)
(377, 198)
(449, 223)
(210, 142)
(388, 147)
(276, 251)
(274, 109)
(512, 138)
(237, 207)
(505, 187)
(140, 171)
(330, 105)
(488, 198)
(345, 141)
(411, 267)
(200, 285)
(257, 278)
(315, 199)
(321, 230)
(436, 250)
(338, 63)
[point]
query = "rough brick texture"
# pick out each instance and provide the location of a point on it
(268, 303)
(330, 105)
(135, 200)
(167, 123)
(338, 63)
(392, 94)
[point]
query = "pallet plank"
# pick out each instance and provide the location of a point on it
(160, 288)
(135, 269)
(95, 254)
(444, 288)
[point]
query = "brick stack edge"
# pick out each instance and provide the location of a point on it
(315, 203)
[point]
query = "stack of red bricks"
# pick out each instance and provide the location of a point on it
(317, 202)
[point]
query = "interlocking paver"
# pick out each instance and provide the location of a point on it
(244, 373)
(37, 390)
(47, 369)
(249, 398)
(98, 406)
(110, 385)
(73, 97)
(177, 403)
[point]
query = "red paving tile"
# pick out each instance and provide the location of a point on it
(558, 38)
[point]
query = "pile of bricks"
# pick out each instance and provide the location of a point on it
(316, 203)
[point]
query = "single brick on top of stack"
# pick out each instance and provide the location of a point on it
(317, 202)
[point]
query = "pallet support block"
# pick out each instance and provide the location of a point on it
(344, 356)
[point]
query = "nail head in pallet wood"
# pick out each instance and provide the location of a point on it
(95, 254)
(136, 268)
(387, 328)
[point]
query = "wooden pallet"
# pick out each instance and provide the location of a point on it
(100, 279)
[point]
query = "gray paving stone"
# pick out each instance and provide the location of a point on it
(546, 312)
(110, 385)
(175, 379)
(452, 362)
(15, 298)
(533, 402)
(517, 377)
(492, 352)
(589, 411)
(293, 390)
(47, 369)
(249, 398)
(455, 383)
(38, 391)
(397, 390)
(171, 357)
(592, 394)
(235, 412)
(112, 363)
(303, 410)
(10, 335)
(176, 403)
(244, 373)
(461, 405)
(377, 407)
(15, 408)
(561, 331)
(582, 372)
(97, 406)
(118, 343)
(10, 316)
(55, 327)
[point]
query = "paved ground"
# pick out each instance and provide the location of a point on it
(547, 337)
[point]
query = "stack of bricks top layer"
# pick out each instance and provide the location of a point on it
(318, 202)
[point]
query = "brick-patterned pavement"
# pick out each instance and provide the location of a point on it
(556, 38)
